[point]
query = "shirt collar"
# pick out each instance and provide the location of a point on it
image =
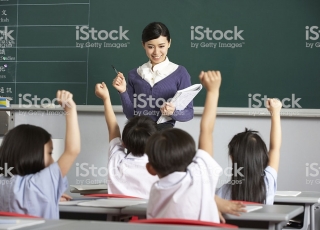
(158, 68)
(171, 179)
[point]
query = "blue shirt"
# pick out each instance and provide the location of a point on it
(270, 180)
(35, 194)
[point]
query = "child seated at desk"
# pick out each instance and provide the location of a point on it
(256, 169)
(127, 171)
(188, 177)
(33, 183)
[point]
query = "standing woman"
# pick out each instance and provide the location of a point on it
(151, 85)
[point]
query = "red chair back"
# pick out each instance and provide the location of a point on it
(16, 215)
(182, 222)
(246, 202)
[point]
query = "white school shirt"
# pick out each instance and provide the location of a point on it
(270, 180)
(187, 195)
(159, 72)
(127, 174)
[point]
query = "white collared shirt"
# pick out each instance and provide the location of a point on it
(159, 71)
(127, 174)
(187, 195)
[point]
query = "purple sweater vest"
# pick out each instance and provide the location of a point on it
(142, 99)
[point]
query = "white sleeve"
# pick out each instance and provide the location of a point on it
(115, 145)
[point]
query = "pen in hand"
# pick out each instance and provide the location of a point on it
(115, 69)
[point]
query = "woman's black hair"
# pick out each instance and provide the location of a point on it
(23, 149)
(248, 152)
(136, 133)
(170, 150)
(154, 30)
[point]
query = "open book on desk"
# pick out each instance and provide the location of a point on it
(181, 100)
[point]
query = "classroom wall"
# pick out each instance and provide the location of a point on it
(300, 145)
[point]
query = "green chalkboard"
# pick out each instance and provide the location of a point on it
(262, 48)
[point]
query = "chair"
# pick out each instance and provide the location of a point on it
(247, 202)
(16, 215)
(182, 222)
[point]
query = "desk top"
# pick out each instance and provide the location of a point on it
(273, 213)
(98, 225)
(267, 213)
(306, 197)
(84, 209)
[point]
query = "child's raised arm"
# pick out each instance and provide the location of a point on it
(274, 107)
(211, 80)
(72, 141)
(102, 92)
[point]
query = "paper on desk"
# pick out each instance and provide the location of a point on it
(71, 202)
(22, 223)
(90, 187)
(251, 208)
(113, 203)
(287, 193)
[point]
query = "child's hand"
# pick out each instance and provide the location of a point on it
(119, 83)
(229, 207)
(167, 109)
(274, 105)
(102, 91)
(65, 197)
(65, 99)
(211, 80)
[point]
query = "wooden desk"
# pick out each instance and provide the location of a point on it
(309, 200)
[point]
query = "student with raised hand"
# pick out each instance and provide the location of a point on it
(153, 83)
(257, 179)
(188, 177)
(127, 173)
(33, 183)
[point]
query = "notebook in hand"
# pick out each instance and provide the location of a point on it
(181, 100)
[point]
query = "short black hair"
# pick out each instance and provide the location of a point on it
(170, 150)
(23, 149)
(136, 133)
(154, 30)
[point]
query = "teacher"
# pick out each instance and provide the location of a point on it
(151, 85)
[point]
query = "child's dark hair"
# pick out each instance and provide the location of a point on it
(170, 150)
(155, 30)
(136, 133)
(23, 149)
(248, 150)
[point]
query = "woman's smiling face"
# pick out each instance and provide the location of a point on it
(157, 49)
